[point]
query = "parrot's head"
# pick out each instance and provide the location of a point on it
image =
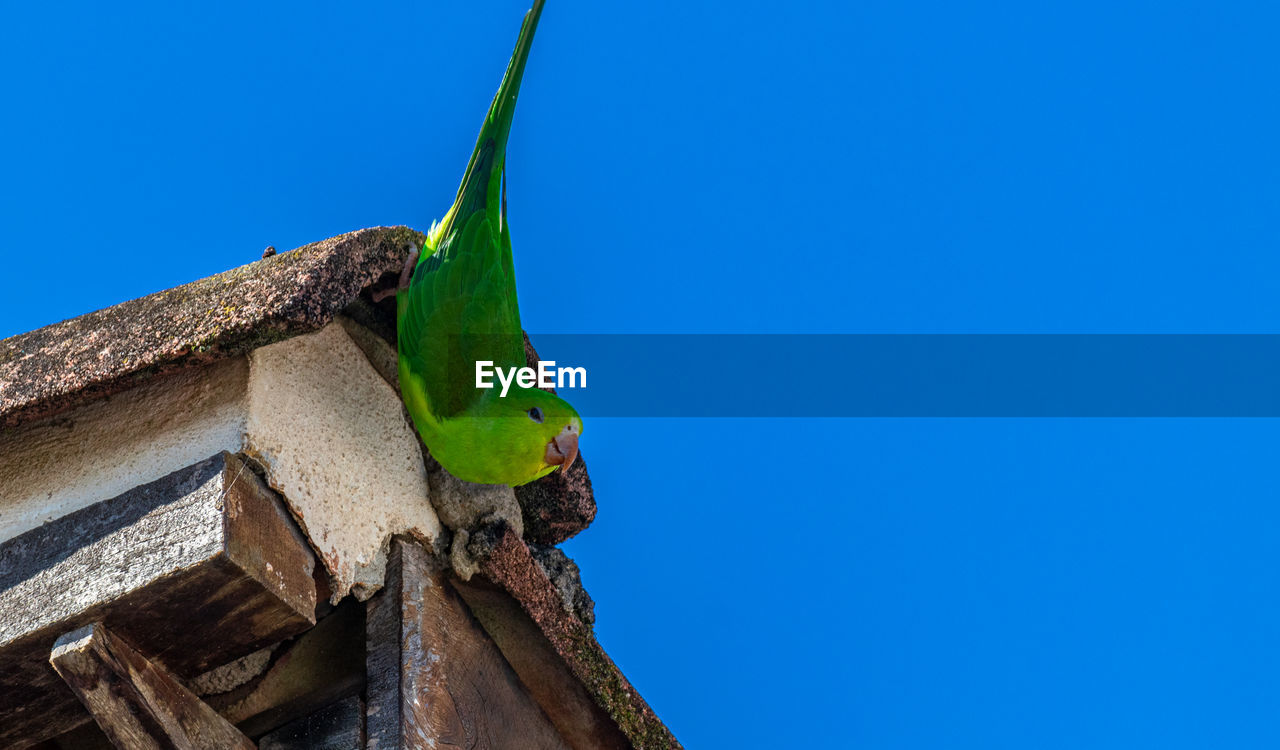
(549, 426)
(540, 431)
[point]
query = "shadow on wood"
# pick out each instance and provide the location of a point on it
(338, 726)
(433, 675)
(138, 705)
(317, 668)
(198, 568)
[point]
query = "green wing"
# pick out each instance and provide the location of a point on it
(460, 306)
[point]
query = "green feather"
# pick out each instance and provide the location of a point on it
(461, 302)
(460, 308)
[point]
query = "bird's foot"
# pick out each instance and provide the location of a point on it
(406, 274)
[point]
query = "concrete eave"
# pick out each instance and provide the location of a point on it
(55, 368)
(287, 360)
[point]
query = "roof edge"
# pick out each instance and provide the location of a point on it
(64, 365)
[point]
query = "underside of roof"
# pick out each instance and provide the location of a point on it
(209, 484)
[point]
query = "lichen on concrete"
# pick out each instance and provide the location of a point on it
(83, 359)
(564, 573)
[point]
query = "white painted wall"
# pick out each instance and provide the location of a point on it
(312, 410)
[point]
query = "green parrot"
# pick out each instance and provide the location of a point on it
(456, 305)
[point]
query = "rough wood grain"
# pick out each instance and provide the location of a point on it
(196, 569)
(553, 652)
(136, 703)
(319, 667)
(338, 726)
(434, 677)
(87, 736)
(583, 723)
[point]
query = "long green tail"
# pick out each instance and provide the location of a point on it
(482, 184)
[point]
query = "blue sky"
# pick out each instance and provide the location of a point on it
(762, 167)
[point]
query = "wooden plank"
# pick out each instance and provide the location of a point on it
(136, 703)
(434, 677)
(87, 736)
(579, 718)
(321, 666)
(196, 569)
(556, 655)
(338, 726)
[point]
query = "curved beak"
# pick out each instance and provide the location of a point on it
(562, 450)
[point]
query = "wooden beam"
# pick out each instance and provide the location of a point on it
(136, 703)
(338, 726)
(576, 714)
(433, 676)
(320, 666)
(87, 736)
(555, 654)
(198, 568)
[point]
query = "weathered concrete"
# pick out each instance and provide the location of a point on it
(251, 361)
(465, 507)
(329, 431)
(332, 436)
(557, 506)
(233, 674)
(93, 406)
(561, 504)
(80, 360)
(58, 465)
(563, 572)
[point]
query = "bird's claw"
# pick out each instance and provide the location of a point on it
(406, 274)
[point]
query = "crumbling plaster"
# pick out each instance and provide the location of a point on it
(332, 436)
(327, 429)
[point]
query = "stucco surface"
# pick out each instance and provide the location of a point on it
(332, 436)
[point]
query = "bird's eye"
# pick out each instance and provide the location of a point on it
(536, 415)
